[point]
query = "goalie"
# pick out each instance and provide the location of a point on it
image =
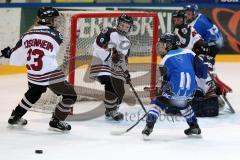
(109, 64)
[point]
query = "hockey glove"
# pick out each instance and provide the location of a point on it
(127, 77)
(115, 56)
(6, 52)
(162, 70)
(209, 60)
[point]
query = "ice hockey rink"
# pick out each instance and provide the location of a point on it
(92, 139)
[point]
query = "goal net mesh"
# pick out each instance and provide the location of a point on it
(80, 30)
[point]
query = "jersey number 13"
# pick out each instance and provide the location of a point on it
(36, 55)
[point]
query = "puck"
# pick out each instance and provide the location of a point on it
(39, 151)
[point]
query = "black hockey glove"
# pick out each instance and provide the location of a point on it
(115, 56)
(6, 52)
(162, 70)
(127, 77)
(209, 60)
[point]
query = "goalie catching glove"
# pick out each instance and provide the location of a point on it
(6, 52)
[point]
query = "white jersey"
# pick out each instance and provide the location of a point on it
(188, 37)
(37, 49)
(102, 58)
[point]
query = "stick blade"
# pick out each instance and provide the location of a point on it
(117, 133)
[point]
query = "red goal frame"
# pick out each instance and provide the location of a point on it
(73, 40)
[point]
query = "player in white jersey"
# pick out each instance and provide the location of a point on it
(109, 64)
(188, 36)
(37, 49)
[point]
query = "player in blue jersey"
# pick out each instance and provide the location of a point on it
(204, 26)
(179, 67)
(205, 102)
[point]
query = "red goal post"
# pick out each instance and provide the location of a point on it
(73, 40)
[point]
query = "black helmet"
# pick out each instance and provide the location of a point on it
(171, 40)
(178, 14)
(125, 19)
(47, 14)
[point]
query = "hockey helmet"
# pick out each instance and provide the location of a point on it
(178, 14)
(194, 9)
(123, 18)
(46, 15)
(170, 40)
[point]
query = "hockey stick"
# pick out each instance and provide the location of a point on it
(223, 95)
(135, 93)
(228, 103)
(118, 133)
(139, 100)
(127, 130)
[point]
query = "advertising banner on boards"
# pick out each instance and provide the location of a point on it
(226, 19)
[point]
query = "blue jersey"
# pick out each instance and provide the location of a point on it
(209, 32)
(180, 71)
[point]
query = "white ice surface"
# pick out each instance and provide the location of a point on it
(92, 140)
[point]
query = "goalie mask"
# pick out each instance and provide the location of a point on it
(46, 15)
(166, 42)
(124, 24)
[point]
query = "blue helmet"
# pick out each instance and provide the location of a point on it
(193, 8)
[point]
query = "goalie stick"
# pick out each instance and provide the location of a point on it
(224, 89)
(230, 108)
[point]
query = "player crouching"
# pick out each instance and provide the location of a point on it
(179, 85)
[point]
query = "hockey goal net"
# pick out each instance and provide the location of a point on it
(79, 31)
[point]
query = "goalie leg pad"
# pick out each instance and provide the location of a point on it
(206, 107)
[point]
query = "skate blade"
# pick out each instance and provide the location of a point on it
(146, 137)
(117, 133)
(110, 119)
(15, 126)
(58, 130)
(197, 136)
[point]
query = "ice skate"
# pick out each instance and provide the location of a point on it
(193, 129)
(113, 114)
(147, 131)
(16, 121)
(57, 125)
